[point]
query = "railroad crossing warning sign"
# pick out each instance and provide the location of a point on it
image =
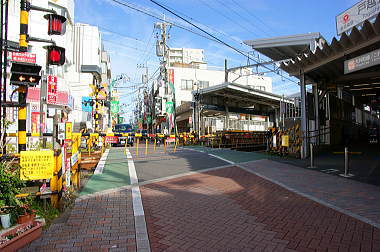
(36, 165)
(285, 141)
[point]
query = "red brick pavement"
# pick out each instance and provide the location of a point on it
(233, 210)
(97, 223)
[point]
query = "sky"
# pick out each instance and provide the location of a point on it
(129, 35)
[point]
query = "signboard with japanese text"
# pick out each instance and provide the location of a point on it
(23, 57)
(69, 131)
(111, 139)
(356, 15)
(362, 62)
(36, 165)
(52, 95)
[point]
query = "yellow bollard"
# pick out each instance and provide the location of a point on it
(146, 146)
(154, 146)
(175, 145)
(164, 145)
(125, 147)
(137, 147)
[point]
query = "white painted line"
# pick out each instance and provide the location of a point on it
(142, 238)
(102, 162)
(223, 159)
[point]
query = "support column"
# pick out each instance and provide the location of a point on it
(304, 149)
(316, 105)
(226, 123)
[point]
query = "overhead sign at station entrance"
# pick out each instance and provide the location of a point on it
(356, 15)
(362, 62)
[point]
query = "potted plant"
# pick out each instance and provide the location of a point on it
(5, 215)
(9, 187)
(25, 214)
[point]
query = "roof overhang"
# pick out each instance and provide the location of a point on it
(239, 96)
(285, 47)
(92, 69)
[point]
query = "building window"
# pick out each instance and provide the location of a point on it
(203, 84)
(187, 84)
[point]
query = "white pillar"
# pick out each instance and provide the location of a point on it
(304, 150)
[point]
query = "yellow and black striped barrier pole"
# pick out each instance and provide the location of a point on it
(22, 119)
(24, 18)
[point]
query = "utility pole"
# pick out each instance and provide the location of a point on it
(43, 93)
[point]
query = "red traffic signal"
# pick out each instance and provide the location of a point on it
(25, 74)
(55, 23)
(56, 55)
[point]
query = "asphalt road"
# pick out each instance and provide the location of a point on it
(159, 164)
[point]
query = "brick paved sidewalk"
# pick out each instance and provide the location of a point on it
(233, 210)
(358, 198)
(99, 222)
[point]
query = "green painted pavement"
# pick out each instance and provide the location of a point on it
(232, 155)
(115, 173)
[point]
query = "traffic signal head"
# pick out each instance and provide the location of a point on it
(56, 55)
(24, 74)
(56, 23)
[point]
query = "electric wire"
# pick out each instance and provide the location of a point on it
(214, 37)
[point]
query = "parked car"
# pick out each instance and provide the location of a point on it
(124, 128)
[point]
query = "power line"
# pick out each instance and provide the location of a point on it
(225, 16)
(161, 19)
(252, 15)
(230, 8)
(221, 41)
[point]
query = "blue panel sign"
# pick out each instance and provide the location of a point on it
(86, 107)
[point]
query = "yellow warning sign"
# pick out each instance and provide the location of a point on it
(285, 141)
(36, 165)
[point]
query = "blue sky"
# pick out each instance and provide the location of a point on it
(129, 36)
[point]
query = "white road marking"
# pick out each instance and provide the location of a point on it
(102, 162)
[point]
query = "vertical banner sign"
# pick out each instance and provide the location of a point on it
(171, 79)
(52, 95)
(170, 111)
(69, 130)
(115, 107)
(36, 165)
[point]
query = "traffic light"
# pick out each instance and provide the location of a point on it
(24, 74)
(56, 55)
(55, 24)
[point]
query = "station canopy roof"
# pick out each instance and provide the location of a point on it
(325, 65)
(239, 96)
(285, 47)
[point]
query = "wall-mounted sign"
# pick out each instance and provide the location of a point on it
(23, 57)
(357, 14)
(36, 165)
(362, 62)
